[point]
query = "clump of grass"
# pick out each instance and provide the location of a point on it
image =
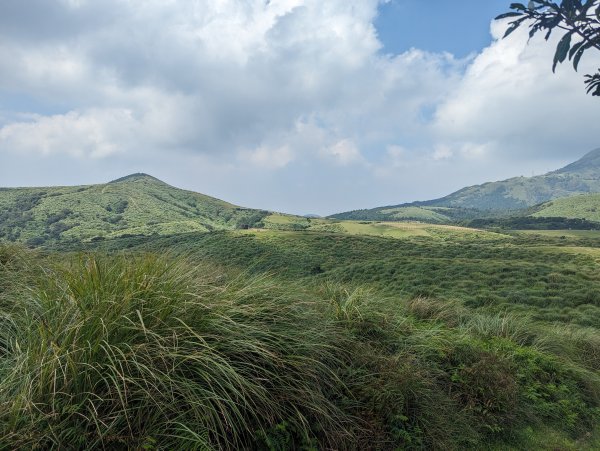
(126, 352)
(508, 325)
(579, 344)
(346, 302)
(426, 308)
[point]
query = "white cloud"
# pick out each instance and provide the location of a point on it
(442, 152)
(509, 95)
(299, 88)
(94, 134)
(343, 152)
(268, 158)
(220, 77)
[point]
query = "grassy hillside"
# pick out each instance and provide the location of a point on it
(585, 207)
(525, 274)
(369, 228)
(505, 196)
(135, 205)
(432, 215)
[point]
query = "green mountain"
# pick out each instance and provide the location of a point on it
(494, 198)
(138, 204)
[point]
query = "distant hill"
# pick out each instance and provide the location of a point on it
(138, 204)
(580, 177)
(408, 212)
(585, 206)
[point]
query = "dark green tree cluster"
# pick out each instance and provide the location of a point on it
(579, 20)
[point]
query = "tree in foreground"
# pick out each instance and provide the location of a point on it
(580, 21)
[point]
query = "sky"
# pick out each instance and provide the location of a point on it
(300, 106)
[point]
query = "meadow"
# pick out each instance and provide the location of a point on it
(437, 337)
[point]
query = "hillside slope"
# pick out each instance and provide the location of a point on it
(580, 177)
(585, 206)
(134, 205)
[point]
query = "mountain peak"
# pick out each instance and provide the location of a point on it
(590, 160)
(135, 177)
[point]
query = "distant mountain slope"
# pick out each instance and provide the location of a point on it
(585, 206)
(433, 215)
(580, 177)
(138, 204)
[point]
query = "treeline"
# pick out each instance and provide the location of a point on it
(533, 223)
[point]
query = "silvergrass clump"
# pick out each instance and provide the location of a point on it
(127, 352)
(447, 312)
(516, 328)
(346, 302)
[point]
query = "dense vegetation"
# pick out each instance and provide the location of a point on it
(535, 223)
(552, 278)
(133, 205)
(431, 215)
(185, 351)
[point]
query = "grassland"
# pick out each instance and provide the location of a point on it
(553, 279)
(405, 229)
(433, 215)
(585, 206)
(230, 340)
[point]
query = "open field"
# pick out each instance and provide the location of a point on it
(373, 228)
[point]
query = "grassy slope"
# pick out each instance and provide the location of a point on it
(389, 229)
(440, 337)
(133, 205)
(495, 335)
(434, 215)
(576, 207)
(555, 279)
(521, 192)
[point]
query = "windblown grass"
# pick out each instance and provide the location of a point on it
(136, 351)
(127, 352)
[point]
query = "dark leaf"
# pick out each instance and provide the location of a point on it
(593, 83)
(518, 6)
(578, 56)
(579, 53)
(506, 15)
(510, 29)
(562, 50)
(575, 48)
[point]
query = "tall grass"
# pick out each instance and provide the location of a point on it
(127, 352)
(146, 352)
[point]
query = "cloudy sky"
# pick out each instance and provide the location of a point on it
(303, 106)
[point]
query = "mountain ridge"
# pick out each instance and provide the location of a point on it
(495, 198)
